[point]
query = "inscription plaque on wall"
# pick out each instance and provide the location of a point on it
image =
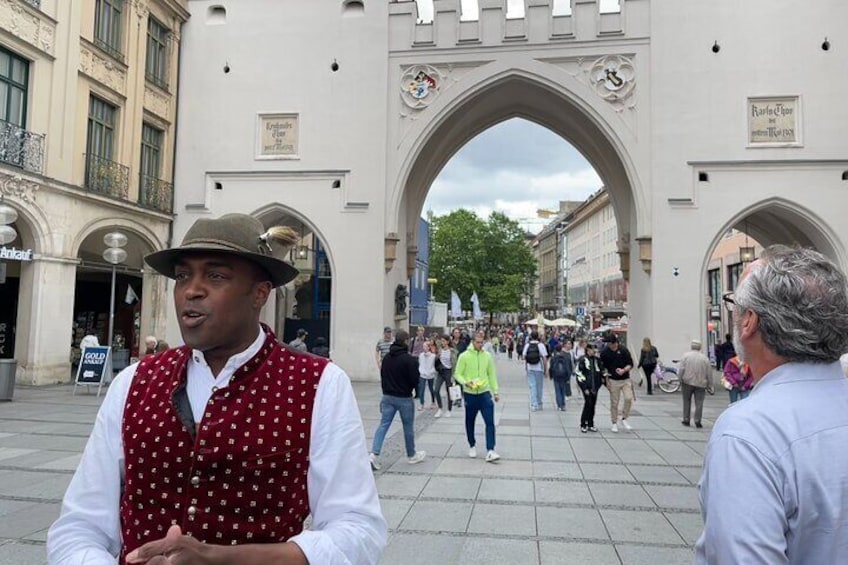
(278, 136)
(773, 120)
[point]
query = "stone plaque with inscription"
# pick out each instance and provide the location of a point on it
(278, 135)
(773, 120)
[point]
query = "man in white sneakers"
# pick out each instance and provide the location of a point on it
(399, 380)
(475, 371)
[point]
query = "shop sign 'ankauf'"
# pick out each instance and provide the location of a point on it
(15, 254)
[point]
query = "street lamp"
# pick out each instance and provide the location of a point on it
(113, 254)
(8, 216)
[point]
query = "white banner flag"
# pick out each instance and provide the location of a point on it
(456, 305)
(476, 303)
(131, 295)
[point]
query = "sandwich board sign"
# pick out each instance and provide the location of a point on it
(94, 368)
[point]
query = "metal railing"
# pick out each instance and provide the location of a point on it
(106, 177)
(155, 193)
(161, 82)
(33, 3)
(111, 50)
(21, 148)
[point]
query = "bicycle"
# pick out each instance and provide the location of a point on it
(667, 378)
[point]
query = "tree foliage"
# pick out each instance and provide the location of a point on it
(490, 257)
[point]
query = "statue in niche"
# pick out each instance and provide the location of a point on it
(401, 295)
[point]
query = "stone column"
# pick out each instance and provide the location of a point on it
(156, 300)
(45, 321)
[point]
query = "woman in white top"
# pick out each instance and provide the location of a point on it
(447, 360)
(427, 374)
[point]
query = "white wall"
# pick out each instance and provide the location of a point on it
(280, 56)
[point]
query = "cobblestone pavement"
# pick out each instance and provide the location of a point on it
(556, 497)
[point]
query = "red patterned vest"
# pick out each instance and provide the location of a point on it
(241, 478)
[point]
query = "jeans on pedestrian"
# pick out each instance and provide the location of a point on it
(736, 394)
(480, 403)
(388, 406)
(688, 392)
(536, 380)
(443, 376)
(561, 388)
(423, 384)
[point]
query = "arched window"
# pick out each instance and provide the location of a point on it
(216, 15)
(353, 8)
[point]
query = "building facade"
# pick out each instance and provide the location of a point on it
(87, 135)
(597, 290)
(694, 124)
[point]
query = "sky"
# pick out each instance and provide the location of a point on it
(515, 167)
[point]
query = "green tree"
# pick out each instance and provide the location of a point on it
(469, 254)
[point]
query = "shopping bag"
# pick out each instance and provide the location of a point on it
(455, 392)
(658, 371)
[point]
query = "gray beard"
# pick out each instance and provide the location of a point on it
(737, 343)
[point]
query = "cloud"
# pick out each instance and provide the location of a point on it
(516, 168)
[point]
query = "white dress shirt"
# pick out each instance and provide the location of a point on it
(347, 523)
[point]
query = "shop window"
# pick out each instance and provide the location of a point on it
(108, 16)
(156, 66)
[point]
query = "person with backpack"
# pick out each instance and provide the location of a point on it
(535, 361)
(561, 367)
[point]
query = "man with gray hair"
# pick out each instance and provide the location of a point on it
(696, 376)
(776, 468)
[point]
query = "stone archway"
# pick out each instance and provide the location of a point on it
(518, 93)
(542, 94)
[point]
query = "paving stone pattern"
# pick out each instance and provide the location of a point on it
(556, 497)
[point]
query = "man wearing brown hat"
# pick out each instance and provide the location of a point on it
(216, 452)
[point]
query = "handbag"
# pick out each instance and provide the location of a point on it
(455, 392)
(725, 383)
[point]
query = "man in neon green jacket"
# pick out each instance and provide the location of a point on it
(475, 371)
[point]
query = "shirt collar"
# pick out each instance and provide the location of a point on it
(236, 360)
(794, 372)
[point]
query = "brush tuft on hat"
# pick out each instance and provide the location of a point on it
(280, 234)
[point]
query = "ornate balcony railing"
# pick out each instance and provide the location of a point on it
(155, 193)
(109, 49)
(21, 148)
(106, 177)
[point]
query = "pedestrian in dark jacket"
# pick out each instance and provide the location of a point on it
(560, 369)
(399, 381)
(321, 348)
(590, 379)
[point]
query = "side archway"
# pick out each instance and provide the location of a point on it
(307, 301)
(768, 222)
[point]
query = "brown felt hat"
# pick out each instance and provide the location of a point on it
(236, 234)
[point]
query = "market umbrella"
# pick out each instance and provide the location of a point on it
(563, 322)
